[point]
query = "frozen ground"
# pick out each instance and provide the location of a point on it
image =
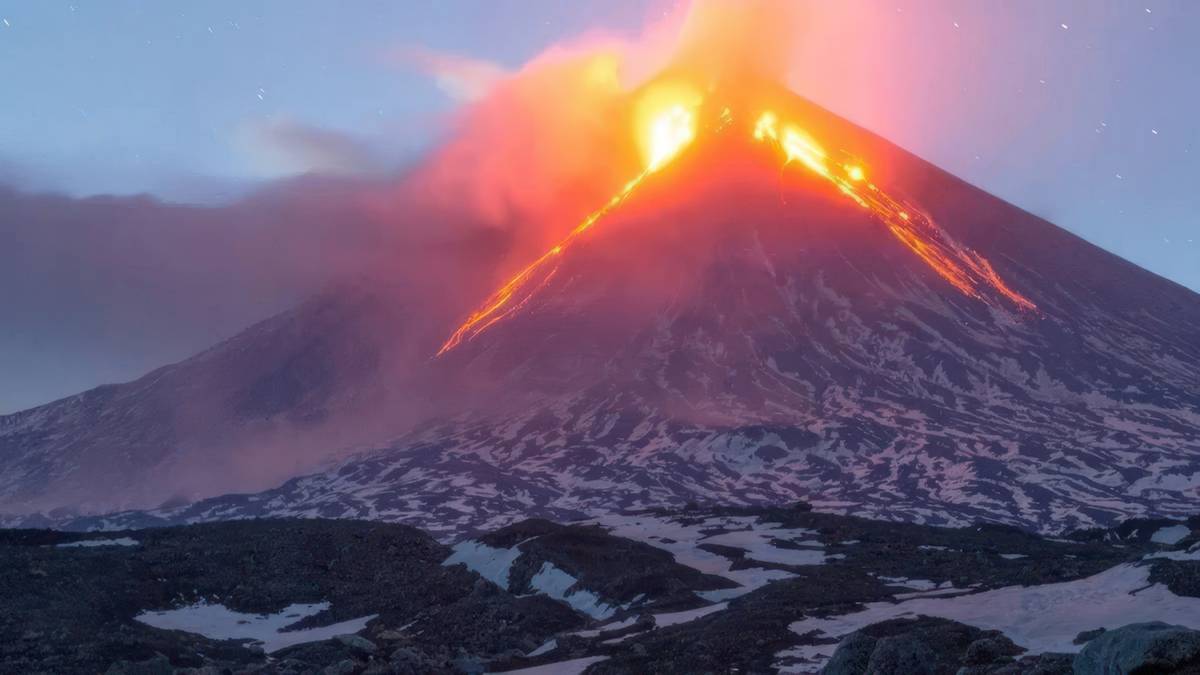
(684, 537)
(1171, 535)
(89, 543)
(1039, 618)
(220, 623)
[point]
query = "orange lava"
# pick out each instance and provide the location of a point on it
(671, 129)
(963, 268)
(667, 134)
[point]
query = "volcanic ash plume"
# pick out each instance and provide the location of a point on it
(732, 39)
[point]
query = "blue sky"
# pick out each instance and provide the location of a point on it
(1082, 111)
(124, 96)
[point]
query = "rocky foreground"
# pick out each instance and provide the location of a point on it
(695, 591)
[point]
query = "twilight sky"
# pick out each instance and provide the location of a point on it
(1082, 111)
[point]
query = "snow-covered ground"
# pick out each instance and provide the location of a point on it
(490, 563)
(1192, 553)
(559, 585)
(683, 539)
(1171, 535)
(674, 618)
(546, 648)
(494, 564)
(915, 584)
(221, 623)
(1039, 618)
(680, 537)
(615, 625)
(88, 543)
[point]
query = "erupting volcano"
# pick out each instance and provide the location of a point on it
(671, 130)
(757, 302)
(651, 362)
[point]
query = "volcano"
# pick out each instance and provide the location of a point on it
(781, 307)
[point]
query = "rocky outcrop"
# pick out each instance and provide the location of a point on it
(71, 609)
(1141, 649)
(388, 599)
(922, 646)
(618, 570)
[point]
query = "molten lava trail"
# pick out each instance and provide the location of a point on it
(963, 268)
(513, 295)
(673, 130)
(669, 132)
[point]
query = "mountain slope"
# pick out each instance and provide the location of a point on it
(241, 415)
(737, 334)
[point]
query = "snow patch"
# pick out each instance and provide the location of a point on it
(544, 649)
(915, 584)
(490, 563)
(1192, 553)
(1041, 619)
(684, 539)
(673, 618)
(1171, 535)
(220, 623)
(557, 584)
(88, 543)
(616, 625)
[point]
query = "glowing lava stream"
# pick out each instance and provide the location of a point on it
(670, 132)
(965, 269)
(673, 130)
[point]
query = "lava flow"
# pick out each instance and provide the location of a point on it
(669, 132)
(963, 268)
(674, 127)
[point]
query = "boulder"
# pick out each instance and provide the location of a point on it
(1141, 649)
(920, 646)
(1087, 636)
(852, 655)
(357, 644)
(1041, 664)
(903, 655)
(989, 650)
(345, 667)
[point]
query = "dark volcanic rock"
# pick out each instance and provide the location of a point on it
(1141, 649)
(1181, 576)
(70, 610)
(746, 636)
(619, 570)
(1088, 635)
(921, 646)
(74, 612)
(853, 655)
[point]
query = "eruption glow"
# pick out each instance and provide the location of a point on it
(673, 129)
(669, 132)
(965, 269)
(733, 43)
